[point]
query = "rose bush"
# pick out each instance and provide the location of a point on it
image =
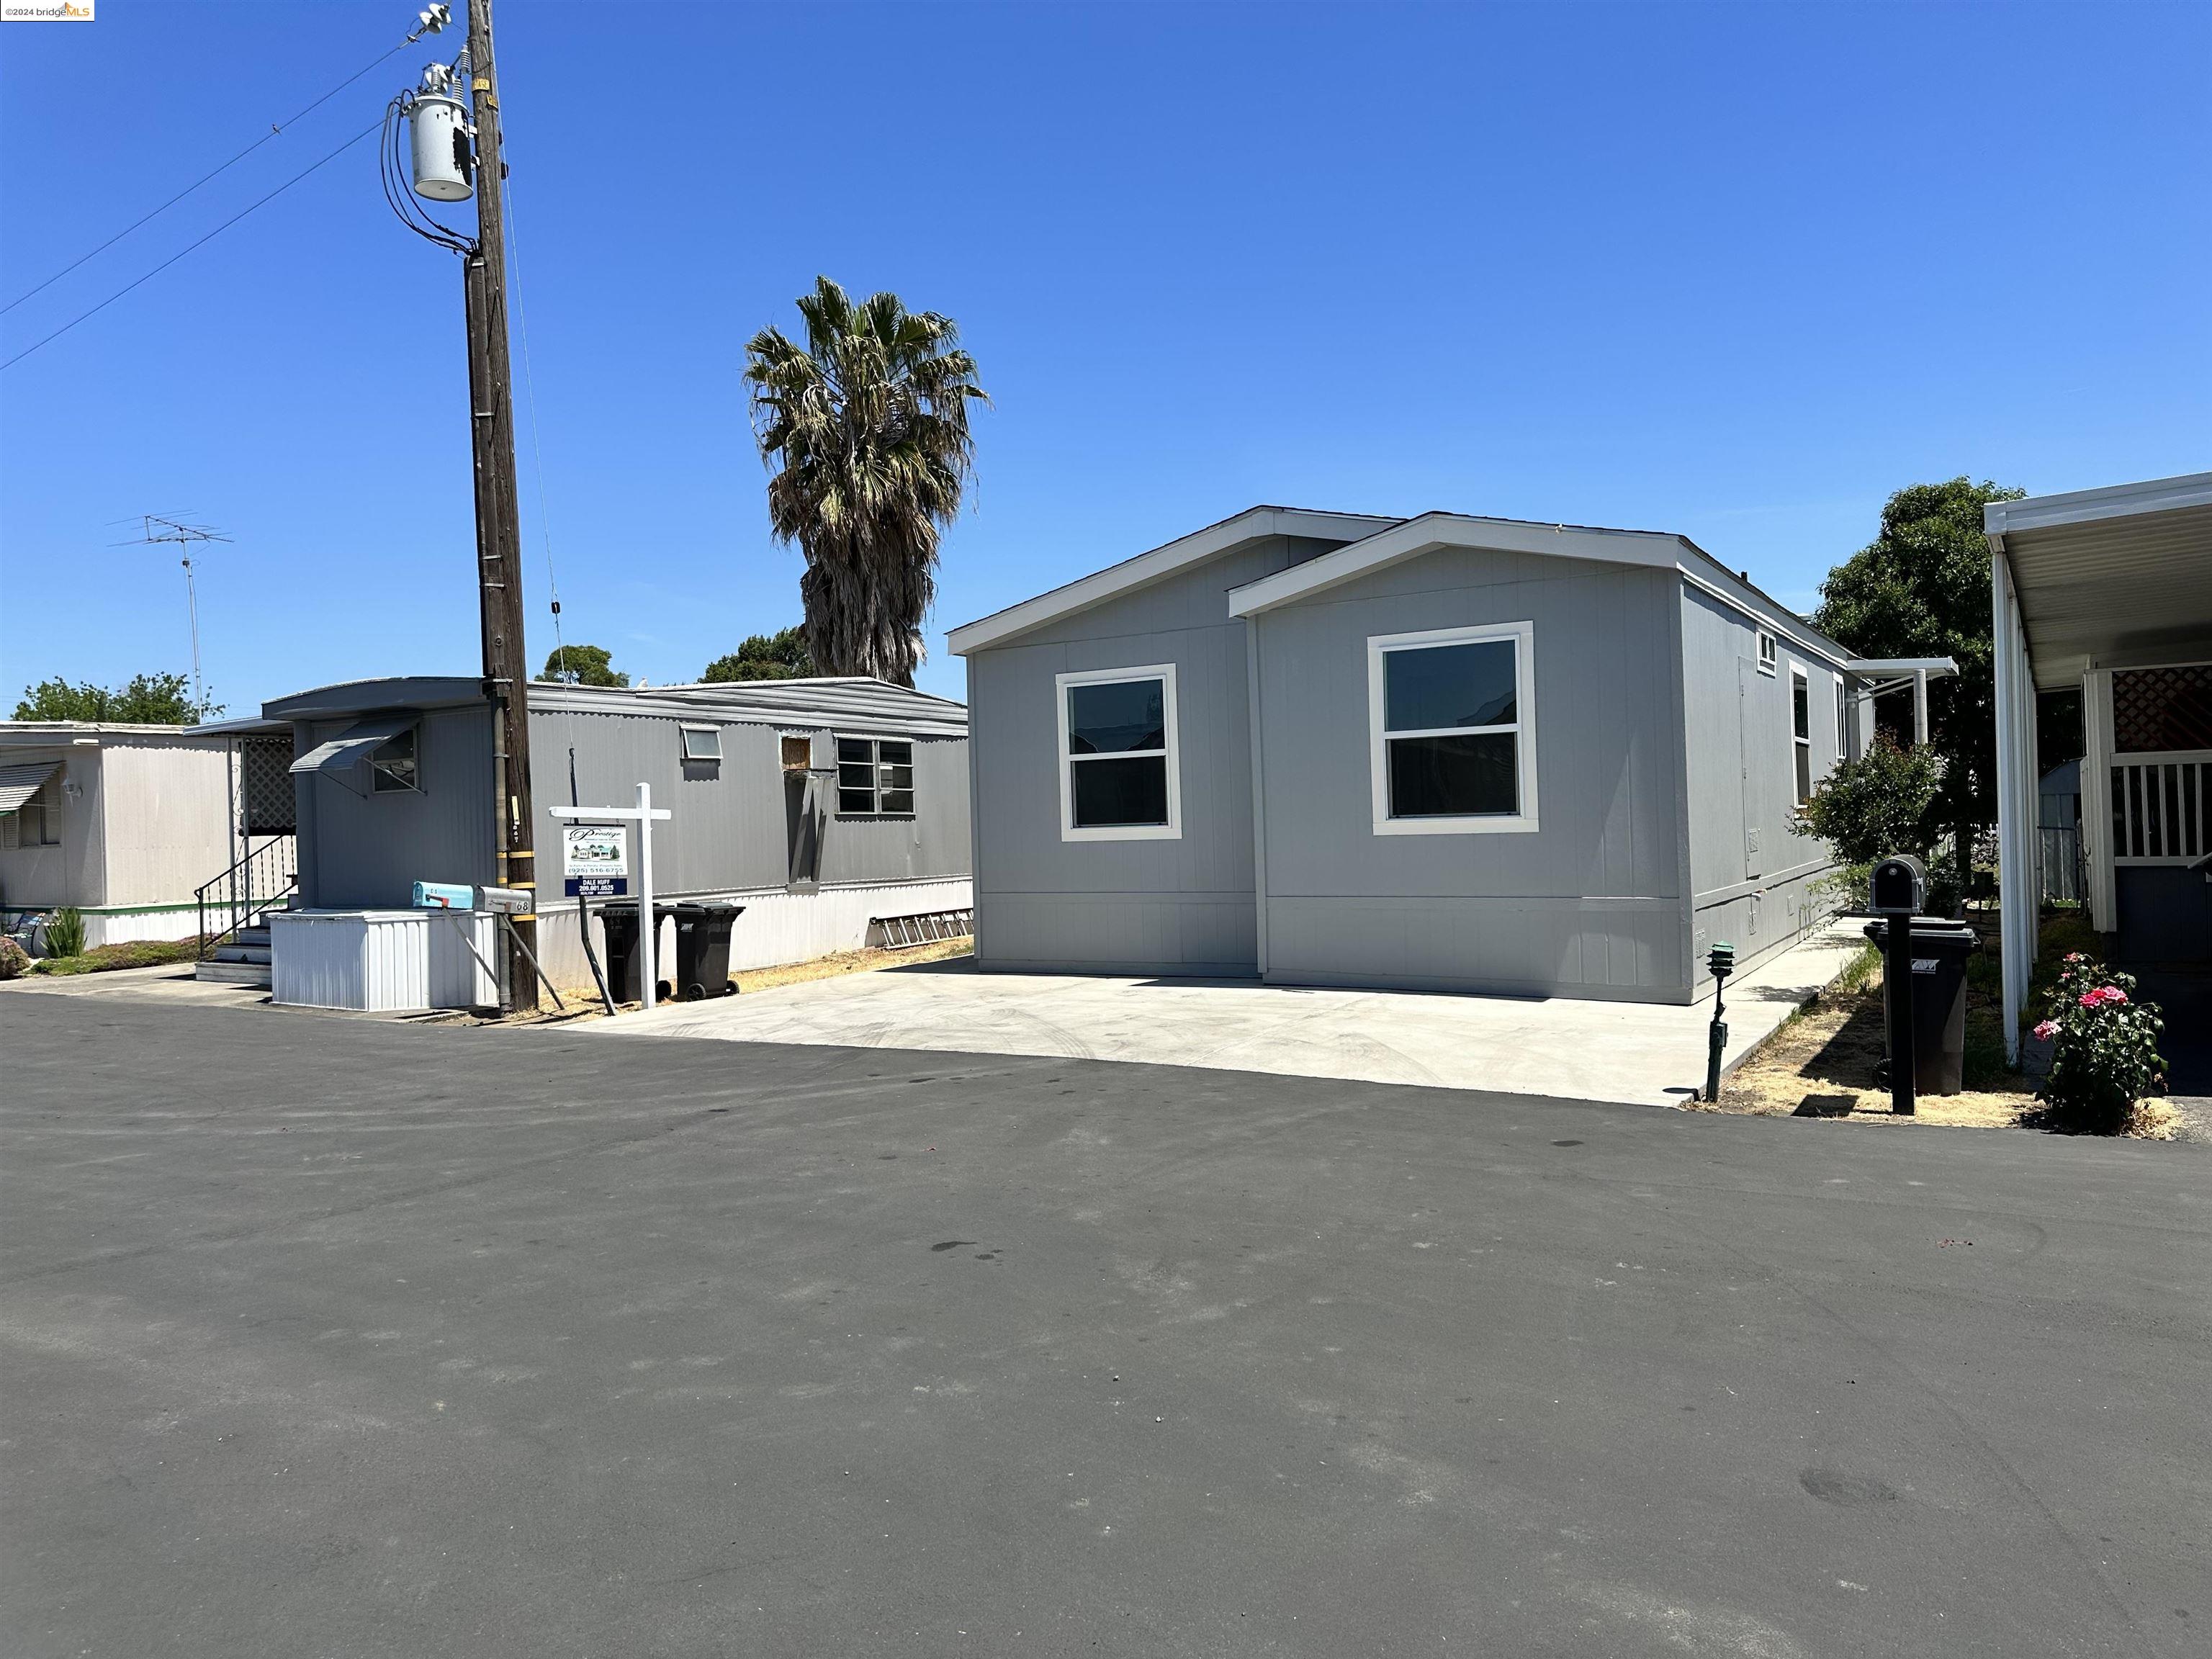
(2103, 1043)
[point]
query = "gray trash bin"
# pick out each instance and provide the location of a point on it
(1940, 949)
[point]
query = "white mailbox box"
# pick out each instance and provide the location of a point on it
(383, 961)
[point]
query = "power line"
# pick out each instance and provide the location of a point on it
(275, 129)
(373, 126)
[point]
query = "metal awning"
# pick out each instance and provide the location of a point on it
(2108, 578)
(353, 745)
(19, 783)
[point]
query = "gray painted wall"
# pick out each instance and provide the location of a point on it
(730, 830)
(1741, 771)
(359, 850)
(729, 833)
(1183, 906)
(1590, 903)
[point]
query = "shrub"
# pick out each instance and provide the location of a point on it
(65, 932)
(14, 960)
(2104, 1047)
(1874, 805)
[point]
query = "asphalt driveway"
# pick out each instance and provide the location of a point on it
(322, 1336)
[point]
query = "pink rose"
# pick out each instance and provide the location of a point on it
(2102, 994)
(2046, 1031)
(2076, 955)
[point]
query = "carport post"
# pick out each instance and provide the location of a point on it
(649, 931)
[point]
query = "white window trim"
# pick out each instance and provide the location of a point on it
(1842, 720)
(1768, 649)
(1799, 675)
(686, 732)
(1523, 635)
(1172, 830)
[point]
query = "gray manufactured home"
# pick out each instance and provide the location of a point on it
(1441, 753)
(822, 807)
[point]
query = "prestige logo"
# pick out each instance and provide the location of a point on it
(46, 11)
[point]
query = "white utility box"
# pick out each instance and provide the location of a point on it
(383, 961)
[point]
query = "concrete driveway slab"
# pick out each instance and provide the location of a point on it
(1636, 1053)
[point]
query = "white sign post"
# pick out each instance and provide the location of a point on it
(644, 815)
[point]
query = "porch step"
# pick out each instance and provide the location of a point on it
(235, 973)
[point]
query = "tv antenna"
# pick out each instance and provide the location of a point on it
(156, 529)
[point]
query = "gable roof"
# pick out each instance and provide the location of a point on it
(1253, 524)
(1430, 532)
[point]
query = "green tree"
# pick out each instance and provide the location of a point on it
(1922, 589)
(582, 664)
(864, 430)
(148, 700)
(780, 656)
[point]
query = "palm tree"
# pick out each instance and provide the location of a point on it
(865, 431)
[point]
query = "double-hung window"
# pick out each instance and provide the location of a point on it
(875, 778)
(1118, 764)
(1801, 730)
(1452, 730)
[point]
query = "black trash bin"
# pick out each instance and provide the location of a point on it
(1940, 949)
(625, 962)
(703, 948)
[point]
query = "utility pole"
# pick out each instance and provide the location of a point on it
(499, 542)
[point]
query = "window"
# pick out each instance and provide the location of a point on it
(1765, 652)
(875, 778)
(391, 764)
(38, 821)
(1842, 720)
(1452, 730)
(702, 742)
(1119, 768)
(1801, 730)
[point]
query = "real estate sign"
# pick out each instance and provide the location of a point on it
(595, 859)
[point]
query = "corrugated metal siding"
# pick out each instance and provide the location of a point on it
(385, 961)
(731, 827)
(1590, 903)
(1180, 906)
(855, 706)
(368, 850)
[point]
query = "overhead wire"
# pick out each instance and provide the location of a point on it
(202, 242)
(275, 129)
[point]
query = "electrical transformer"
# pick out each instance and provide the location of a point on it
(444, 167)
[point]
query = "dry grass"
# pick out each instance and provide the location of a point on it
(850, 961)
(1820, 1063)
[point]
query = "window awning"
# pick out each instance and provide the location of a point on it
(353, 745)
(19, 783)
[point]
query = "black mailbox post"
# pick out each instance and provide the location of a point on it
(1898, 893)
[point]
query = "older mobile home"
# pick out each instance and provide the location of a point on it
(824, 806)
(1440, 753)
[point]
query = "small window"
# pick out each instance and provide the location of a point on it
(875, 778)
(1452, 728)
(702, 742)
(1118, 768)
(1801, 730)
(1766, 652)
(1842, 720)
(391, 764)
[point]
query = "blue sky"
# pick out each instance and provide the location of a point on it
(1734, 272)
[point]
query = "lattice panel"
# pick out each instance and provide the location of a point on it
(265, 772)
(2162, 709)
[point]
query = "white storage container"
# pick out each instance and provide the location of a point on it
(382, 961)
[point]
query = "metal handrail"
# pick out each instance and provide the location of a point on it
(251, 886)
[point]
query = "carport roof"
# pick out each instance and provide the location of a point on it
(2110, 578)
